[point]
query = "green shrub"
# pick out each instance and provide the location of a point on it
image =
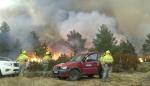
(117, 68)
(51, 64)
(148, 76)
(62, 59)
(125, 62)
(34, 66)
(144, 67)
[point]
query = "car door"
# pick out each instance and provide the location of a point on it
(90, 64)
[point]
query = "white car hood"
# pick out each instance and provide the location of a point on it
(1, 62)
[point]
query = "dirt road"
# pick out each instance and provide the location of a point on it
(118, 79)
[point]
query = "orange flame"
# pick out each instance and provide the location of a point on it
(56, 55)
(34, 58)
(141, 60)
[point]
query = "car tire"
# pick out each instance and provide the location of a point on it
(0, 73)
(90, 76)
(100, 74)
(74, 75)
(61, 78)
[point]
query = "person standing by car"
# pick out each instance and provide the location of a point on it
(22, 59)
(106, 62)
(46, 60)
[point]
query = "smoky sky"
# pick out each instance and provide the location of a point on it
(53, 19)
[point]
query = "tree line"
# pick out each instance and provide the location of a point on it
(104, 40)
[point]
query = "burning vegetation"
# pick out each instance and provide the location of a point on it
(55, 56)
(123, 51)
(34, 58)
(40, 47)
(141, 60)
(145, 58)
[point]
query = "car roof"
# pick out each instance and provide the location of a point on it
(88, 53)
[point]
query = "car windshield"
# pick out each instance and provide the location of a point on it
(4, 59)
(78, 58)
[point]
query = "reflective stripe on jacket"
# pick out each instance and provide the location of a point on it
(107, 59)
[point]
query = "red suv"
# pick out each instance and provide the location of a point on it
(85, 64)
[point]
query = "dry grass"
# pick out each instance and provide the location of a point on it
(144, 67)
(119, 79)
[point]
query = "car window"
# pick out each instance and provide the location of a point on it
(92, 57)
(76, 59)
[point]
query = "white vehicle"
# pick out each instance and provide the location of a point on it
(8, 67)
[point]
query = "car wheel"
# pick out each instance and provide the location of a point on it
(0, 73)
(100, 74)
(14, 75)
(61, 78)
(90, 76)
(74, 75)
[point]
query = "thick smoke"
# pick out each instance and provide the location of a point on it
(52, 19)
(88, 25)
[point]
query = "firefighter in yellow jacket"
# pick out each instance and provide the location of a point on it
(46, 60)
(106, 62)
(22, 59)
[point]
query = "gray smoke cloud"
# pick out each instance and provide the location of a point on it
(88, 24)
(52, 19)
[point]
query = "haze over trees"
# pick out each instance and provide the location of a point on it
(126, 48)
(39, 48)
(105, 40)
(4, 27)
(125, 58)
(7, 44)
(75, 41)
(146, 46)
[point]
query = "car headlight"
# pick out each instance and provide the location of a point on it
(64, 67)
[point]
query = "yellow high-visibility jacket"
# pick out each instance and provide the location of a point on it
(101, 58)
(107, 59)
(22, 58)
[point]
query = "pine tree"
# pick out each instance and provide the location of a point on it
(146, 46)
(75, 41)
(126, 48)
(38, 47)
(104, 39)
(8, 45)
(4, 27)
(5, 43)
